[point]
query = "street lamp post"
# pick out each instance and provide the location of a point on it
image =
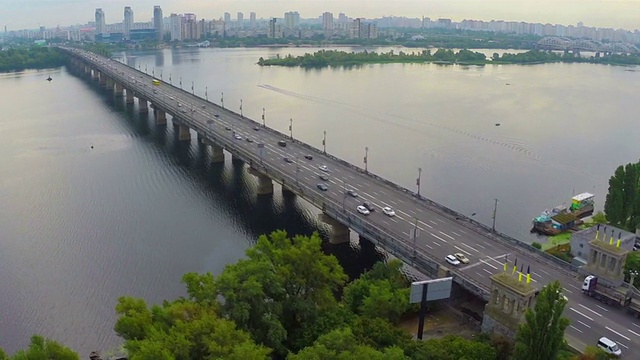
(241, 108)
(193, 92)
(222, 100)
(495, 211)
(145, 69)
(153, 71)
(291, 127)
(180, 82)
(206, 93)
(324, 142)
(366, 158)
(263, 124)
(418, 180)
(160, 74)
(170, 83)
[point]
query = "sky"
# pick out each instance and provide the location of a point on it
(30, 14)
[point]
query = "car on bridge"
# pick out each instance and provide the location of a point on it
(323, 187)
(256, 128)
(238, 137)
(368, 206)
(308, 157)
(250, 140)
(282, 143)
(452, 260)
(324, 177)
(352, 193)
(462, 258)
(388, 211)
(288, 160)
(324, 168)
(362, 210)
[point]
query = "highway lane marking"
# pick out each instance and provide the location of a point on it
(579, 313)
(464, 251)
(565, 289)
(433, 222)
(463, 244)
(480, 246)
(617, 333)
(542, 271)
(447, 235)
(636, 325)
(375, 193)
(485, 270)
(575, 328)
(600, 307)
(456, 234)
(486, 263)
(573, 286)
(633, 332)
(462, 231)
(583, 324)
(623, 345)
(437, 237)
(584, 307)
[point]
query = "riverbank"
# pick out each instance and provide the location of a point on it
(18, 59)
(334, 58)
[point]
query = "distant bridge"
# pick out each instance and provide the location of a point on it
(566, 44)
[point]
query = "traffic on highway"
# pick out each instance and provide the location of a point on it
(417, 225)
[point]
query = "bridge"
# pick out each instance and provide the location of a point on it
(576, 45)
(422, 233)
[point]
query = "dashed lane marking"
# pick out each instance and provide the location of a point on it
(575, 328)
(438, 237)
(464, 251)
(617, 333)
(585, 325)
(473, 249)
(586, 308)
(447, 235)
(579, 313)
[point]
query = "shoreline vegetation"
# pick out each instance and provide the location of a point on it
(335, 58)
(18, 59)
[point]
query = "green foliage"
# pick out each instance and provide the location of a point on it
(182, 330)
(599, 218)
(622, 204)
(542, 335)
(42, 349)
(17, 59)
(594, 353)
(450, 348)
(632, 264)
(536, 245)
(283, 284)
(382, 292)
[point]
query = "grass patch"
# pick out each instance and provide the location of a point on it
(553, 241)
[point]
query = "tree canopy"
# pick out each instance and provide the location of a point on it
(622, 205)
(16, 59)
(541, 336)
(42, 349)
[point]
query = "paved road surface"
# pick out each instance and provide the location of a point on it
(439, 234)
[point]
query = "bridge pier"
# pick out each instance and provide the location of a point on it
(103, 79)
(129, 97)
(109, 84)
(265, 184)
(509, 299)
(339, 231)
(234, 158)
(217, 153)
(143, 105)
(94, 75)
(87, 70)
(183, 133)
(161, 117)
(119, 89)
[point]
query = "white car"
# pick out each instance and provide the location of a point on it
(238, 137)
(388, 211)
(452, 260)
(324, 168)
(362, 210)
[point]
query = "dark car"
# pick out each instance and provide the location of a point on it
(368, 205)
(323, 187)
(216, 115)
(227, 128)
(324, 177)
(352, 193)
(249, 140)
(287, 160)
(256, 128)
(282, 143)
(308, 157)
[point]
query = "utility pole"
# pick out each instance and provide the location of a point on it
(241, 108)
(324, 142)
(366, 155)
(291, 127)
(495, 210)
(222, 100)
(206, 93)
(418, 180)
(263, 124)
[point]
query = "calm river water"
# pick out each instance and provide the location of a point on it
(80, 227)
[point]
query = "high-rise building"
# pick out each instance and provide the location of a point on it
(227, 19)
(327, 21)
(100, 21)
(252, 20)
(240, 19)
(176, 27)
(291, 20)
(158, 21)
(128, 22)
(190, 27)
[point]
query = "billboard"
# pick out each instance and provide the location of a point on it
(437, 289)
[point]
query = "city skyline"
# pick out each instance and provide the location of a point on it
(596, 13)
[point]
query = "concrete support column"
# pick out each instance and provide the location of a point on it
(143, 105)
(265, 184)
(129, 98)
(217, 155)
(183, 133)
(103, 79)
(234, 158)
(161, 117)
(119, 89)
(94, 74)
(339, 231)
(109, 84)
(87, 70)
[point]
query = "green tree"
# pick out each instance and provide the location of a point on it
(43, 349)
(542, 334)
(594, 353)
(450, 348)
(622, 204)
(281, 285)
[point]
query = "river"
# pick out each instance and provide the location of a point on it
(81, 226)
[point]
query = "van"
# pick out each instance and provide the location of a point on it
(609, 346)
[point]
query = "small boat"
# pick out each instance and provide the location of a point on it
(49, 78)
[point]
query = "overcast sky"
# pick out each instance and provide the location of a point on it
(21, 14)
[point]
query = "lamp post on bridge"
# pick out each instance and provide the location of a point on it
(145, 70)
(180, 82)
(170, 83)
(241, 108)
(160, 74)
(291, 128)
(193, 92)
(366, 158)
(418, 180)
(153, 71)
(324, 142)
(263, 121)
(206, 93)
(222, 100)
(495, 211)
